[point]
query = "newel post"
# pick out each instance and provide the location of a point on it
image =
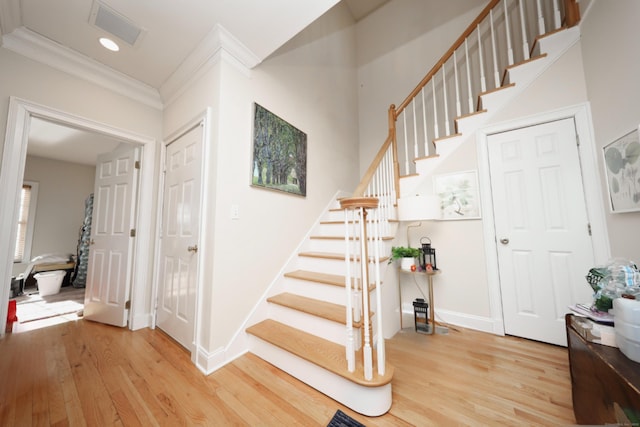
(356, 212)
(394, 145)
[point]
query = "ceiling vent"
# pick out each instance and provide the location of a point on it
(115, 24)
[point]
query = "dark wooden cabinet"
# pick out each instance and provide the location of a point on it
(605, 383)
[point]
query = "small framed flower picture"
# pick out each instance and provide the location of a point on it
(622, 167)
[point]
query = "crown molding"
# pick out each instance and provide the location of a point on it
(218, 45)
(31, 45)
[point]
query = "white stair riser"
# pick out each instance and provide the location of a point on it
(339, 246)
(323, 328)
(369, 401)
(319, 291)
(328, 266)
(338, 229)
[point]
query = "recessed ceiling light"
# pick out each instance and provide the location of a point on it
(109, 44)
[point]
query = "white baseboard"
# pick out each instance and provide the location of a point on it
(463, 320)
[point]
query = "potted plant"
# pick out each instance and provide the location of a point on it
(407, 256)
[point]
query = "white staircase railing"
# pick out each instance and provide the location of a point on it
(501, 36)
(497, 39)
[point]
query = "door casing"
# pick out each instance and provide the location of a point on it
(199, 356)
(581, 114)
(11, 174)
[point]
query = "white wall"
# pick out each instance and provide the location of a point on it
(62, 190)
(612, 67)
(309, 82)
(397, 45)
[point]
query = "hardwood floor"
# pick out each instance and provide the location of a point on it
(84, 373)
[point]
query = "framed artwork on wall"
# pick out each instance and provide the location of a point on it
(458, 195)
(279, 154)
(622, 168)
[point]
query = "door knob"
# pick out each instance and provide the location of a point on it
(504, 241)
(193, 249)
(92, 242)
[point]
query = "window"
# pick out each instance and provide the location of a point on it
(26, 217)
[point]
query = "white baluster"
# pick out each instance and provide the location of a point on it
(508, 33)
(496, 73)
(435, 109)
(406, 142)
(350, 347)
(447, 130)
(466, 54)
(483, 80)
(457, 83)
(380, 340)
(415, 131)
(424, 123)
(523, 25)
(364, 286)
(541, 26)
(557, 19)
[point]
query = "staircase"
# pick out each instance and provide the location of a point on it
(318, 322)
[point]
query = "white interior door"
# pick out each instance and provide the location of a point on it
(177, 283)
(542, 229)
(108, 271)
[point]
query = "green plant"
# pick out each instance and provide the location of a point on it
(398, 252)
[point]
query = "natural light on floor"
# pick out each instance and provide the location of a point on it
(35, 312)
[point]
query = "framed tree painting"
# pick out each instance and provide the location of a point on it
(622, 167)
(279, 154)
(458, 195)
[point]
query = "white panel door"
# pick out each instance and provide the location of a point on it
(180, 231)
(542, 229)
(108, 271)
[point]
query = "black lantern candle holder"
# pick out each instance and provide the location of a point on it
(427, 255)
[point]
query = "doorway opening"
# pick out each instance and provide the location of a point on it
(22, 115)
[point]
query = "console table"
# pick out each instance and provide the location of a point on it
(429, 275)
(605, 384)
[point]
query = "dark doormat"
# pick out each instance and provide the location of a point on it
(340, 419)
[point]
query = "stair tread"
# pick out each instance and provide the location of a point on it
(331, 255)
(323, 309)
(324, 278)
(312, 276)
(318, 351)
(341, 222)
(342, 238)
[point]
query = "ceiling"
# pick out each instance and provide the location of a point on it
(169, 33)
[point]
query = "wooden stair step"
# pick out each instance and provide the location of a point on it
(332, 255)
(342, 238)
(326, 310)
(318, 351)
(323, 278)
(312, 276)
(350, 222)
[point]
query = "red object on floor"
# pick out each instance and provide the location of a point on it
(11, 315)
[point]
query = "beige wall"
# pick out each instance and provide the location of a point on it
(309, 82)
(62, 190)
(612, 67)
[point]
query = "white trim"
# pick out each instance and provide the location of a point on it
(205, 120)
(34, 46)
(218, 45)
(581, 114)
(11, 175)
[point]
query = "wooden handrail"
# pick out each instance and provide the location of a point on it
(471, 28)
(572, 17)
(571, 13)
(366, 178)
